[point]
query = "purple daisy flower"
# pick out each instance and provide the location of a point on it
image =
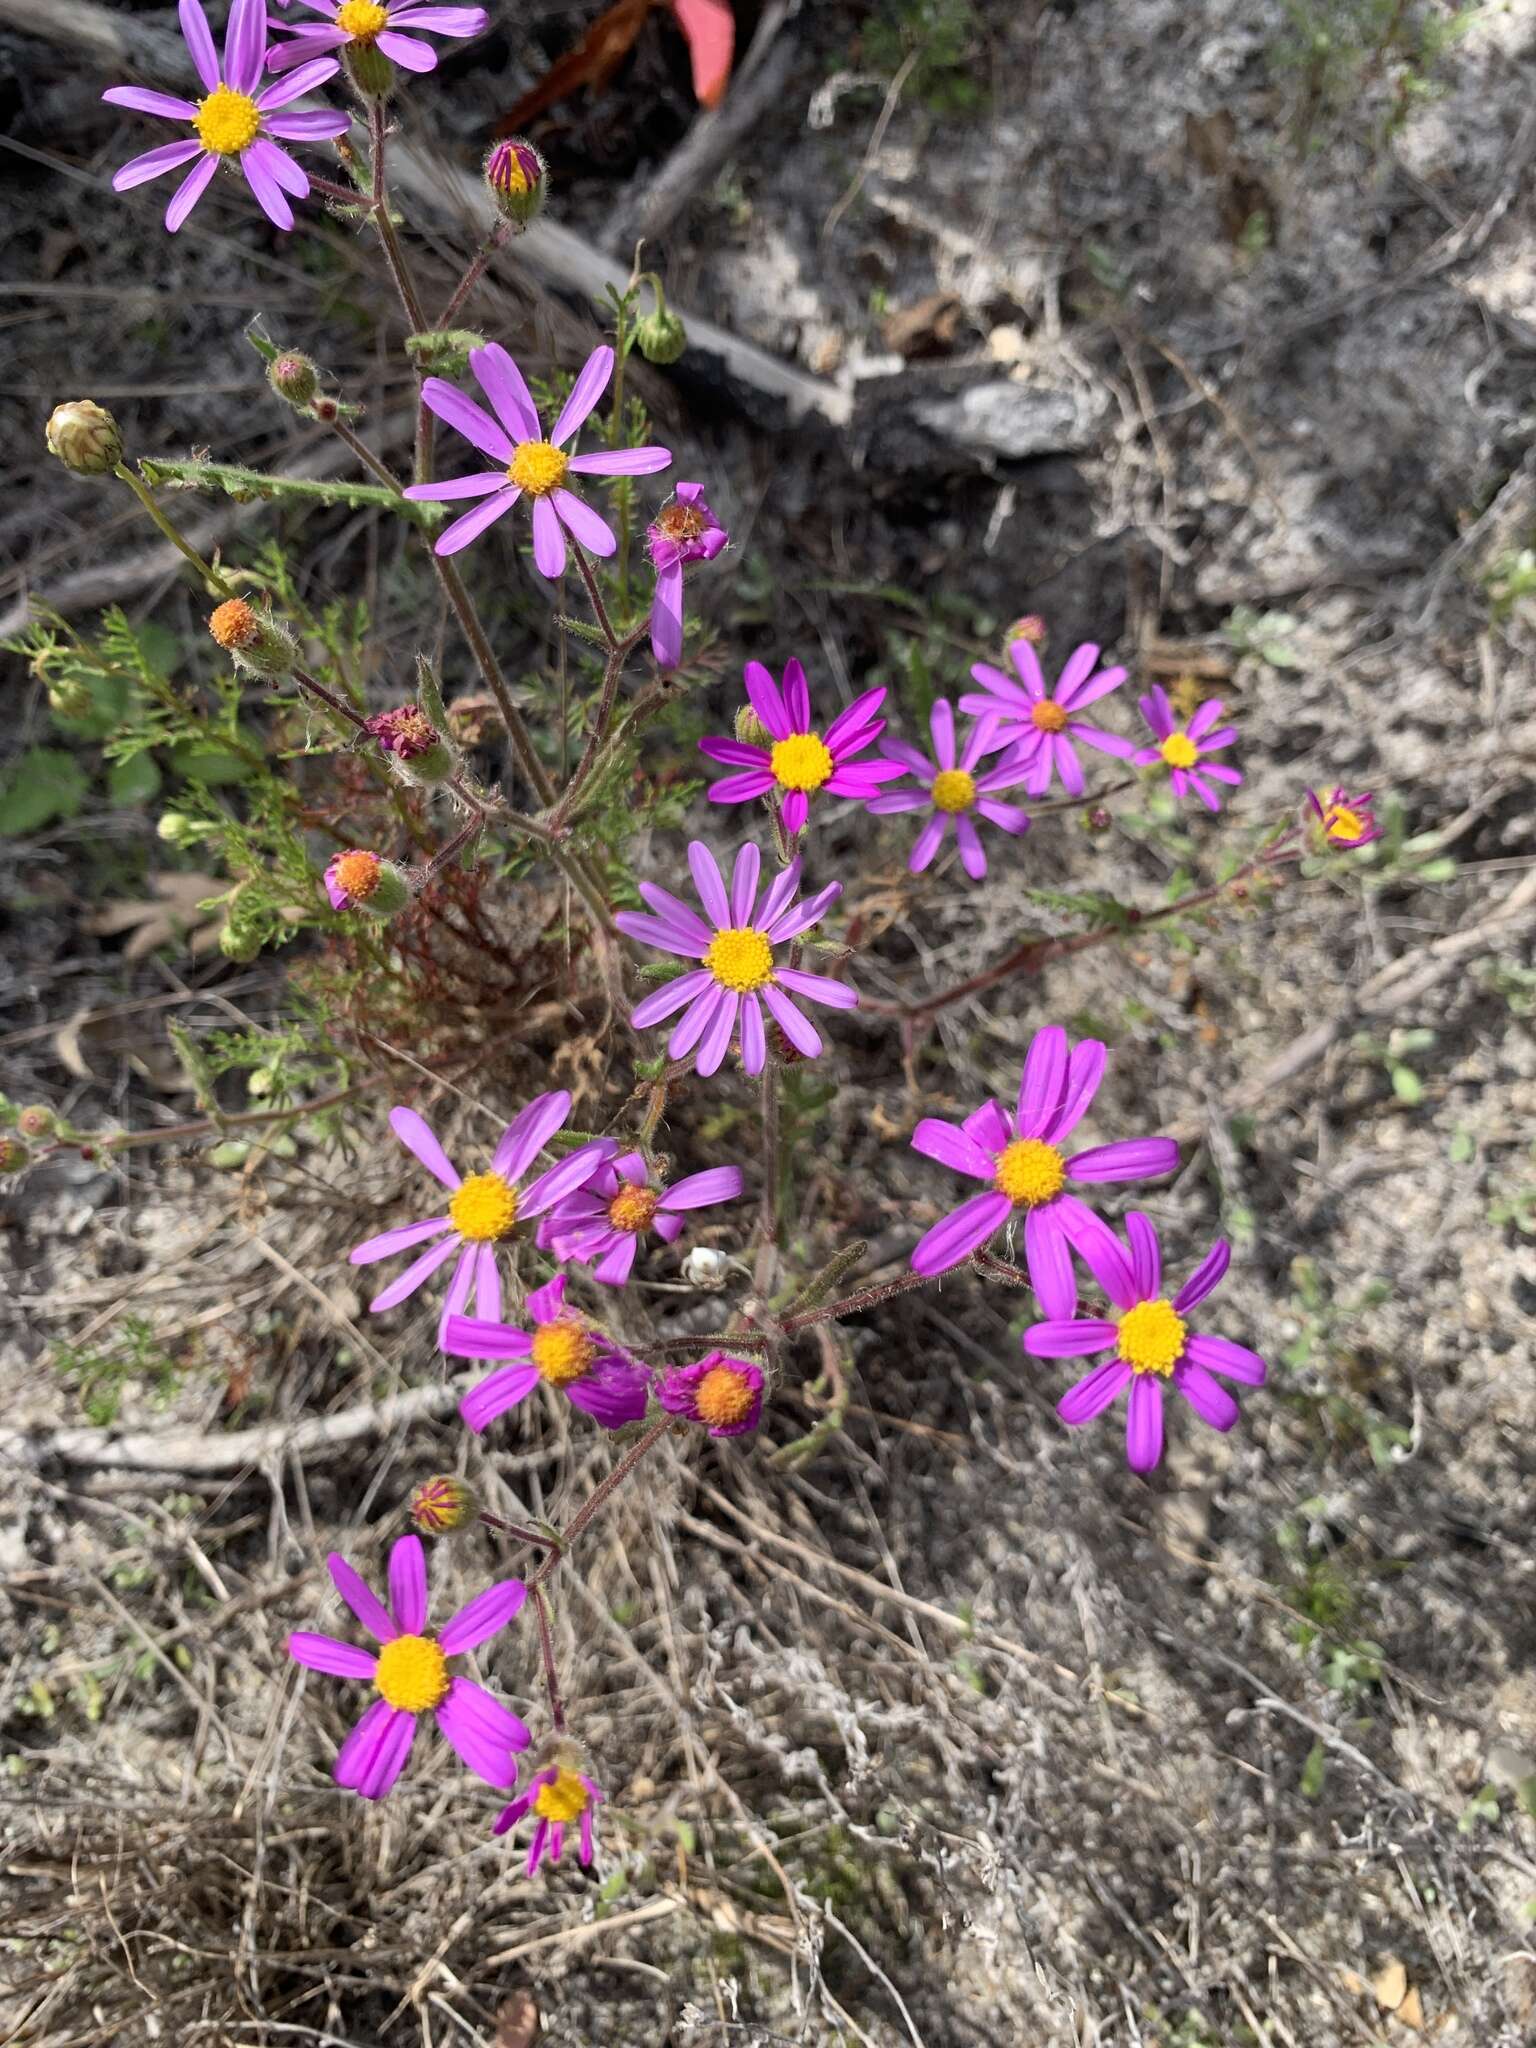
(798, 759)
(534, 466)
(953, 791)
(410, 1674)
(684, 531)
(1342, 822)
(725, 1394)
(372, 24)
(1150, 1341)
(603, 1222)
(1043, 725)
(561, 1349)
(557, 1797)
(230, 122)
(735, 941)
(484, 1208)
(1024, 1163)
(1183, 748)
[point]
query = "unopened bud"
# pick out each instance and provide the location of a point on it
(177, 829)
(238, 943)
(361, 880)
(326, 410)
(254, 639)
(36, 1121)
(1031, 628)
(293, 377)
(410, 736)
(442, 1504)
(85, 438)
(1097, 819)
(13, 1155)
(371, 73)
(751, 731)
(661, 335)
(70, 696)
(518, 180)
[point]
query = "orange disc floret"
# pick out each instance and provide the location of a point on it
(723, 1396)
(357, 873)
(633, 1207)
(234, 624)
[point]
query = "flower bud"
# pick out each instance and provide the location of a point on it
(661, 335)
(751, 731)
(518, 179)
(370, 71)
(254, 639)
(293, 377)
(360, 880)
(13, 1155)
(409, 735)
(36, 1121)
(1097, 819)
(238, 943)
(85, 438)
(177, 829)
(1031, 628)
(70, 696)
(441, 1504)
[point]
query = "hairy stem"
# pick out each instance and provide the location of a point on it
(547, 1652)
(600, 1493)
(366, 456)
(770, 1115)
(210, 575)
(867, 1297)
(495, 240)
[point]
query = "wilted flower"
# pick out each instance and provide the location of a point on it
(1151, 1343)
(797, 759)
(535, 467)
(1045, 726)
(360, 880)
(739, 974)
(254, 639)
(484, 1209)
(602, 1224)
(1183, 750)
(683, 531)
(951, 791)
(1022, 1159)
(409, 735)
(234, 624)
(358, 25)
(518, 178)
(85, 437)
(562, 1349)
(557, 1797)
(230, 122)
(724, 1394)
(1341, 822)
(410, 1674)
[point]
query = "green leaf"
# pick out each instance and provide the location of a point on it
(1314, 1771)
(1407, 1086)
(43, 784)
(132, 782)
(211, 766)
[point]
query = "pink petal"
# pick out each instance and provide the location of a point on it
(481, 1337)
(325, 1653)
(1146, 1255)
(483, 1732)
(926, 844)
(754, 1055)
(401, 1288)
(953, 1147)
(154, 163)
(817, 988)
(670, 998)
(268, 192)
(548, 540)
(972, 856)
(589, 527)
(1217, 1354)
(198, 38)
(407, 52)
(621, 462)
(408, 1585)
(529, 1132)
(363, 1601)
(715, 1040)
(589, 387)
(466, 418)
(1049, 1258)
(667, 617)
(418, 1138)
(941, 724)
(1092, 1394)
(1075, 1339)
(952, 1241)
(1043, 1081)
(1144, 1423)
(703, 1190)
(710, 883)
(189, 191)
(496, 1393)
(472, 524)
(143, 101)
(482, 1618)
(744, 876)
(398, 1240)
(504, 385)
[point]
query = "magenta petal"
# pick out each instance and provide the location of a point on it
(188, 192)
(614, 1267)
(389, 1758)
(407, 52)
(355, 1757)
(1093, 1393)
(953, 1147)
(1206, 1277)
(989, 1127)
(745, 788)
(484, 1733)
(1210, 1401)
(710, 883)
(1099, 1249)
(700, 1190)
(408, 1585)
(817, 988)
(1085, 1070)
(487, 1613)
(473, 523)
(670, 997)
(198, 38)
(1077, 1339)
(715, 1039)
(398, 1240)
(667, 616)
(572, 1173)
(1130, 1159)
(583, 524)
(591, 383)
(467, 418)
(796, 1026)
(613, 1393)
(414, 1132)
(365, 1604)
(325, 1653)
(529, 1132)
(414, 1276)
(763, 696)
(1146, 1255)
(1217, 1354)
(481, 1337)
(496, 1393)
(505, 386)
(1144, 1423)
(952, 1240)
(1049, 1258)
(1042, 1082)
(797, 808)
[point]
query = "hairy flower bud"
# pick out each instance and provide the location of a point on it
(70, 696)
(1031, 628)
(36, 1121)
(254, 639)
(85, 438)
(750, 729)
(441, 1504)
(370, 71)
(518, 180)
(1097, 819)
(293, 377)
(238, 943)
(661, 335)
(361, 880)
(13, 1155)
(410, 736)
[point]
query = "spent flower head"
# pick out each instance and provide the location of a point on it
(1341, 823)
(1152, 1344)
(358, 879)
(684, 530)
(410, 738)
(602, 1224)
(234, 122)
(740, 975)
(724, 1395)
(559, 1796)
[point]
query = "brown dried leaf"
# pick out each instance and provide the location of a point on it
(926, 329)
(1411, 2012)
(1389, 1986)
(517, 2021)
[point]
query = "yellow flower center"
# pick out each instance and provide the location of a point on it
(801, 762)
(227, 122)
(1152, 1337)
(362, 19)
(563, 1799)
(1179, 750)
(724, 1396)
(740, 958)
(484, 1208)
(953, 790)
(412, 1674)
(562, 1352)
(357, 873)
(1340, 822)
(1047, 717)
(1030, 1172)
(538, 467)
(633, 1207)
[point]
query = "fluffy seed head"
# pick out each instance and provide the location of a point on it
(85, 437)
(484, 1208)
(412, 1674)
(1152, 1337)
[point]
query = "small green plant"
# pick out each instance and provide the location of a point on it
(1396, 1053)
(1266, 635)
(939, 39)
(101, 1375)
(1343, 53)
(1511, 582)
